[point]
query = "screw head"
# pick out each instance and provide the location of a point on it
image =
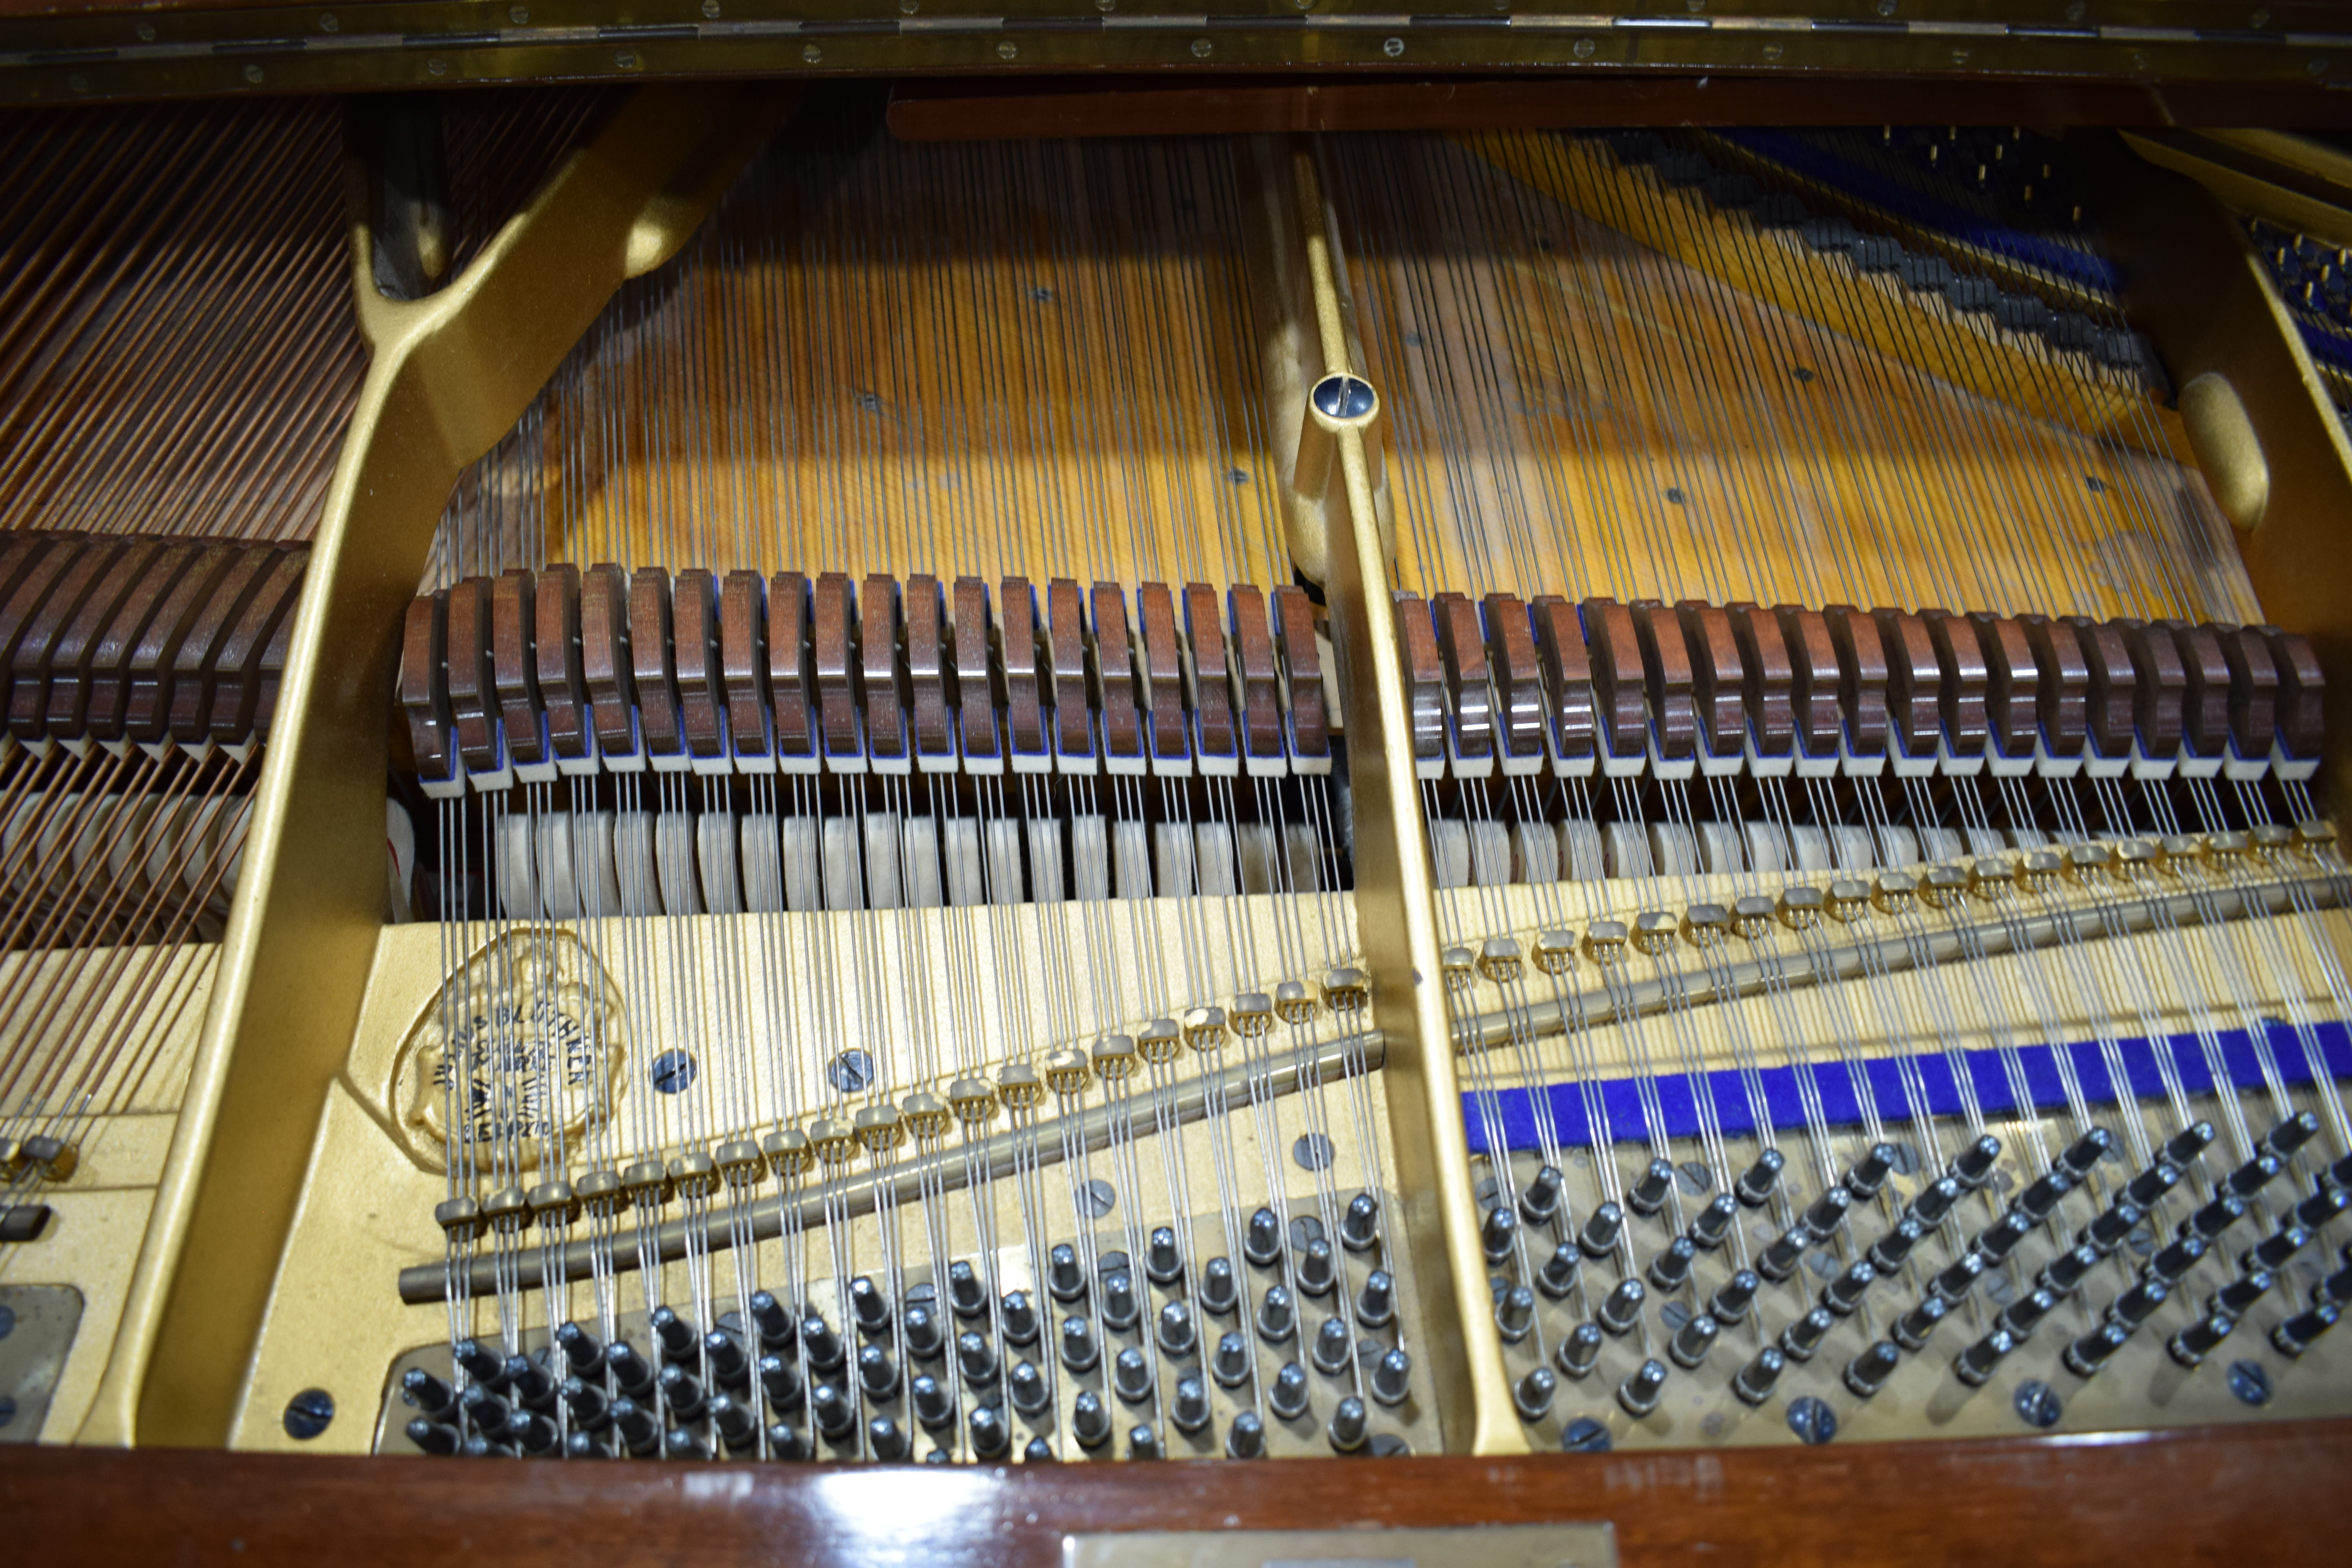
(1392, 48)
(309, 1414)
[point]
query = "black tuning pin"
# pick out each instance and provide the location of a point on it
(582, 1352)
(2171, 1264)
(773, 1323)
(1079, 1352)
(2002, 1237)
(1827, 1213)
(2063, 1273)
(1887, 1253)
(1142, 1443)
(483, 1365)
(2322, 1206)
(723, 1353)
(1286, 1396)
(1030, 1391)
(1714, 1222)
(2337, 1289)
(990, 1434)
(1870, 1173)
(869, 1307)
(1163, 1263)
(1498, 1232)
(1175, 1332)
(2300, 1332)
(1360, 1228)
(485, 1412)
(679, 1341)
(1190, 1412)
(887, 1439)
(1037, 1452)
(1515, 1313)
(1376, 1303)
(2139, 1304)
(1317, 1271)
(1601, 1228)
(1121, 1310)
(1393, 1378)
(1231, 1364)
(1802, 1338)
(1844, 1293)
(1348, 1425)
(1640, 1391)
(1332, 1347)
(1734, 1296)
(1089, 1419)
(1220, 1293)
(2235, 1298)
(2085, 1153)
(2272, 1251)
(1692, 1341)
(1972, 1166)
(2153, 1182)
(1672, 1265)
(1756, 1184)
(1532, 1394)
(1246, 1439)
(975, 1359)
(685, 1445)
(2292, 1134)
(1064, 1278)
(1263, 1244)
(1935, 1200)
(824, 1347)
(966, 1295)
(681, 1395)
(1781, 1258)
(1961, 1277)
(585, 1403)
(1975, 1365)
(2087, 1355)
(1622, 1310)
(2192, 1344)
(1755, 1382)
(1649, 1194)
(785, 1441)
(1912, 1329)
(781, 1381)
(925, 1338)
(1867, 1373)
(1558, 1276)
(532, 1432)
(1278, 1319)
(636, 1424)
(632, 1374)
(737, 1427)
(875, 1373)
(2108, 1231)
(2041, 1198)
(427, 1393)
(2190, 1142)
(434, 1437)
(1539, 1202)
(1019, 1314)
(2254, 1176)
(1579, 1350)
(2215, 1217)
(2024, 1314)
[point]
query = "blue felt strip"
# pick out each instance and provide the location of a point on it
(1892, 1081)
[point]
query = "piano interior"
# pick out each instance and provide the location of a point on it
(1137, 798)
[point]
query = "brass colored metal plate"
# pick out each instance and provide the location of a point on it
(1466, 1546)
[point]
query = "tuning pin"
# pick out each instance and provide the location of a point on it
(2087, 1152)
(1332, 1347)
(582, 1352)
(685, 1445)
(1532, 1394)
(2339, 1174)
(1360, 1228)
(485, 1412)
(1246, 1439)
(966, 1294)
(1263, 1245)
(2293, 1133)
(2192, 1344)
(585, 1405)
(2108, 1231)
(2337, 1289)
(1019, 1314)
(977, 1361)
(483, 1365)
(1192, 1409)
(2189, 1143)
(2252, 1176)
(2039, 1200)
(2002, 1237)
(1622, 1310)
(1692, 1341)
(1497, 1233)
(1276, 1317)
(1064, 1276)
(1826, 1214)
(1131, 1375)
(1376, 1303)
(1231, 1364)
(1649, 1194)
(1580, 1350)
(1558, 1276)
(736, 1424)
(2022, 1316)
(1733, 1296)
(1079, 1350)
(1912, 1329)
(2322, 1206)
(1672, 1265)
(1142, 1443)
(1754, 1383)
(529, 1384)
(875, 1371)
(1120, 1311)
(1089, 1419)
(678, 1340)
(780, 1381)
(1757, 1182)
(934, 1405)
(990, 1436)
(1220, 1294)
(2137, 1305)
(1287, 1396)
(2273, 1250)
(428, 1393)
(1393, 1378)
(437, 1437)
(1038, 1452)
(1972, 1167)
(2215, 1217)
(2063, 1273)
(1935, 1200)
(1602, 1228)
(1540, 1201)
(1887, 1254)
(1349, 1426)
(632, 1373)
(2300, 1332)
(638, 1431)
(1801, 1338)
(1867, 1373)
(836, 1414)
(1846, 1292)
(2172, 1263)
(825, 1349)
(1515, 1313)
(925, 1338)
(1640, 1391)
(1030, 1391)
(1714, 1222)
(2087, 1355)
(1163, 1263)
(2239, 1295)
(1175, 1332)
(1781, 1259)
(1975, 1365)
(869, 1307)
(1870, 1172)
